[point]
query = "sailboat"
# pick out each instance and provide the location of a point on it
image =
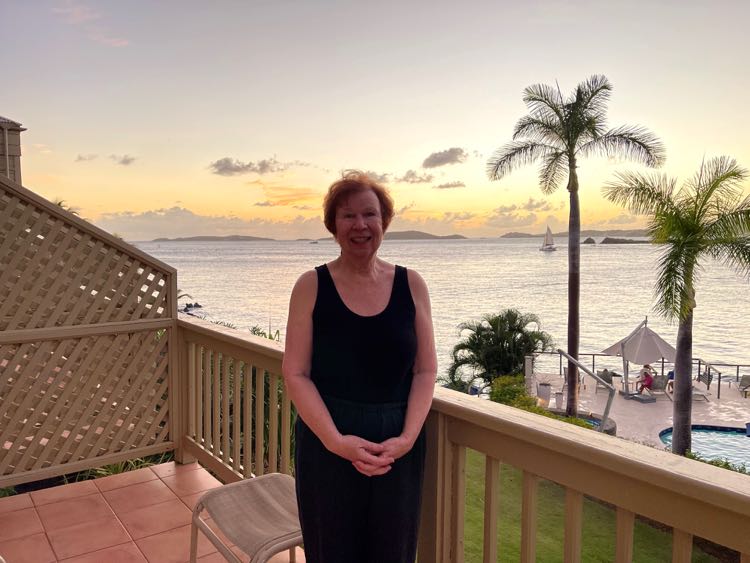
(549, 243)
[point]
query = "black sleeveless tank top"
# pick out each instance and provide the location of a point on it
(363, 359)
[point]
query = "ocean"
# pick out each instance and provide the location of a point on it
(249, 283)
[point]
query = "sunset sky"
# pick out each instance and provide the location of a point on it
(213, 118)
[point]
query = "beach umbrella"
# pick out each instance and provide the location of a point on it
(642, 346)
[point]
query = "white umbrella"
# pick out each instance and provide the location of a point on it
(642, 346)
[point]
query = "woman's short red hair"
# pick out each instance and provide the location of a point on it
(354, 181)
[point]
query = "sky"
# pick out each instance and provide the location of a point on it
(182, 118)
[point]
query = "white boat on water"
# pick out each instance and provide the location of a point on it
(549, 243)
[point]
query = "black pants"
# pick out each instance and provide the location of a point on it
(348, 517)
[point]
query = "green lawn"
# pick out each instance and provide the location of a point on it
(598, 542)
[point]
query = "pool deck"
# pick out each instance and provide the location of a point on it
(642, 422)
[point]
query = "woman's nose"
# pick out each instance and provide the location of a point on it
(359, 222)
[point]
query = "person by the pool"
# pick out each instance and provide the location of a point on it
(645, 379)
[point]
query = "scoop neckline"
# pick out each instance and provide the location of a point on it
(341, 299)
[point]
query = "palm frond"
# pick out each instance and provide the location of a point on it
(717, 180)
(542, 99)
(730, 223)
(734, 253)
(593, 94)
(642, 194)
(538, 128)
(675, 280)
(553, 170)
(633, 143)
(515, 154)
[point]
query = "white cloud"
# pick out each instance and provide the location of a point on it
(411, 177)
(123, 160)
(450, 156)
(79, 14)
(449, 185)
(232, 167)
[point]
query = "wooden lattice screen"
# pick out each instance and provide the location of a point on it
(87, 343)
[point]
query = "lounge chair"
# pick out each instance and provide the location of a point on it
(704, 377)
(605, 375)
(581, 380)
(743, 385)
(658, 387)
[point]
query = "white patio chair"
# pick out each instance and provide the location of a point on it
(258, 515)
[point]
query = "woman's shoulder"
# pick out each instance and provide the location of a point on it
(417, 286)
(306, 285)
(415, 279)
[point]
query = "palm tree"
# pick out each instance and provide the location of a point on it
(496, 346)
(558, 131)
(61, 204)
(707, 217)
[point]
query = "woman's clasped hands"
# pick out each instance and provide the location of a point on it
(369, 458)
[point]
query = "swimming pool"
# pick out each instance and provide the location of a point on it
(717, 442)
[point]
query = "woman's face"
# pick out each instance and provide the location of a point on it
(359, 224)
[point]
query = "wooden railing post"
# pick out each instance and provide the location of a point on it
(179, 385)
(434, 491)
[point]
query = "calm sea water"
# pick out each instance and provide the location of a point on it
(248, 283)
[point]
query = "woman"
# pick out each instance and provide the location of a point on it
(360, 367)
(645, 378)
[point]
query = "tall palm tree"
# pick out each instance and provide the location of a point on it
(496, 345)
(707, 217)
(558, 131)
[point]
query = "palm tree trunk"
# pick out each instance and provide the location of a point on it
(574, 286)
(683, 387)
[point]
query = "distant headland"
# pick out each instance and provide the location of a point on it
(395, 235)
(418, 235)
(228, 238)
(584, 233)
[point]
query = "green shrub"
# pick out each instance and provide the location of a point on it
(508, 389)
(511, 390)
(721, 462)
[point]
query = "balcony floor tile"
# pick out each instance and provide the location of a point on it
(16, 502)
(170, 468)
(189, 482)
(131, 497)
(173, 546)
(28, 549)
(73, 511)
(124, 553)
(19, 523)
(87, 537)
(156, 518)
(63, 492)
(125, 479)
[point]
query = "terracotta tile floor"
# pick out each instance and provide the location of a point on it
(138, 516)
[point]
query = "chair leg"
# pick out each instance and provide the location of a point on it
(193, 542)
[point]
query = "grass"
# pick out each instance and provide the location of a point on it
(650, 544)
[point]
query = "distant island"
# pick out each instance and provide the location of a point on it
(613, 240)
(419, 235)
(396, 235)
(228, 238)
(584, 233)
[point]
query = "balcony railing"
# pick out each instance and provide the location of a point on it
(234, 418)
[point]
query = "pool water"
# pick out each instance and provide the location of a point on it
(717, 442)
